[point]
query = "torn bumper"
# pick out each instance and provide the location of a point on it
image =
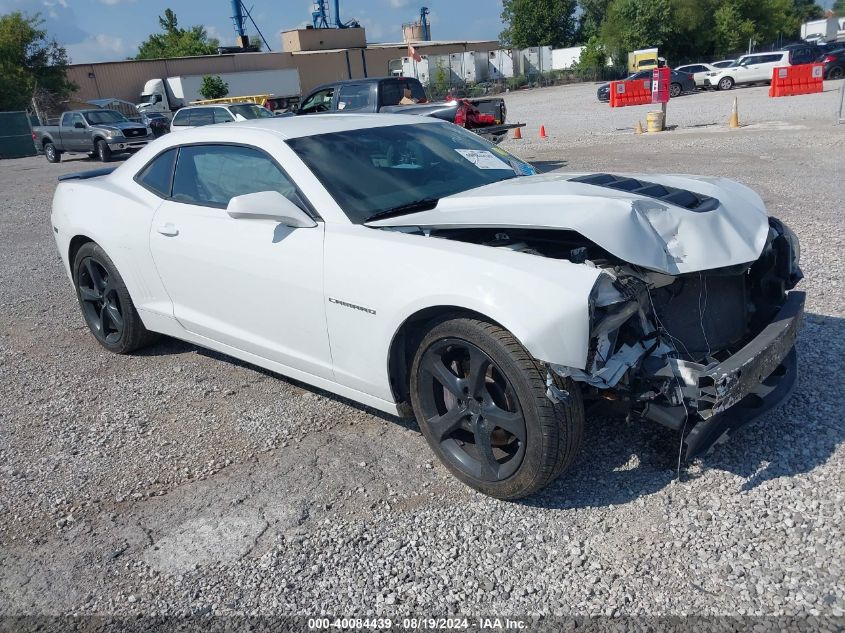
(751, 382)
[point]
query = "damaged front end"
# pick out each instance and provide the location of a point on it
(703, 352)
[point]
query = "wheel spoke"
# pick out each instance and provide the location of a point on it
(94, 274)
(509, 421)
(441, 426)
(477, 375)
(443, 375)
(114, 316)
(90, 294)
(483, 442)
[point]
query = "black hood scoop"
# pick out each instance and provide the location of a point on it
(680, 197)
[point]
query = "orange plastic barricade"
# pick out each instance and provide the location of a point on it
(803, 79)
(630, 93)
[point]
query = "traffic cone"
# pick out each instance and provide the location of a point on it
(639, 128)
(517, 134)
(543, 132)
(734, 122)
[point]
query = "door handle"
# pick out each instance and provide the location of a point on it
(168, 229)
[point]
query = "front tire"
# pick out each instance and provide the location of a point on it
(103, 151)
(726, 83)
(480, 401)
(105, 302)
(675, 90)
(51, 153)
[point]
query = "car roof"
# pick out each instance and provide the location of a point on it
(287, 127)
(217, 105)
(365, 80)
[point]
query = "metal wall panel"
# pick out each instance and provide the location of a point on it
(16, 135)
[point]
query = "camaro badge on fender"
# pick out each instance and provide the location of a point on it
(351, 305)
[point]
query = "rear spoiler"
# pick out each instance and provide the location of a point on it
(85, 175)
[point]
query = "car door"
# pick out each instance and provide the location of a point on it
(251, 284)
(319, 101)
(356, 98)
(75, 134)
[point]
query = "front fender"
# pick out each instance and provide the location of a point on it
(376, 280)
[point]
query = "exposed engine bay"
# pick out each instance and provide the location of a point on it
(677, 350)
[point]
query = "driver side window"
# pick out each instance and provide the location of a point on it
(211, 175)
(320, 101)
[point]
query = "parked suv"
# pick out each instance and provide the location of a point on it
(196, 116)
(748, 69)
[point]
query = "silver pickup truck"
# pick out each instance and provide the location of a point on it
(98, 133)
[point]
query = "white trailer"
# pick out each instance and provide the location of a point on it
(416, 69)
(168, 94)
(440, 70)
(475, 67)
(824, 30)
(500, 64)
(535, 60)
(566, 58)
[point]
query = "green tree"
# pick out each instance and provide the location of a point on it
(30, 62)
(807, 10)
(731, 31)
(839, 8)
(213, 87)
(176, 42)
(634, 24)
(538, 23)
(592, 16)
(592, 61)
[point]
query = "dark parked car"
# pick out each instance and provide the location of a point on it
(834, 64)
(157, 122)
(680, 83)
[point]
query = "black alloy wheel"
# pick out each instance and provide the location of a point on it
(481, 402)
(472, 410)
(105, 302)
(100, 301)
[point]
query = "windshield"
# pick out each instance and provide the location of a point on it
(99, 117)
(250, 111)
(372, 171)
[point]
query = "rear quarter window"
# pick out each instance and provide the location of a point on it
(181, 118)
(157, 175)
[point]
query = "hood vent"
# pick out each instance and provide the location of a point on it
(679, 197)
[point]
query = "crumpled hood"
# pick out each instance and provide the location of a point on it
(638, 229)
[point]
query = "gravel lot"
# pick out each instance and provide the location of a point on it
(179, 481)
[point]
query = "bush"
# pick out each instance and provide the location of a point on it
(213, 87)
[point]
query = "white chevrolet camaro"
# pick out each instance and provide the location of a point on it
(409, 265)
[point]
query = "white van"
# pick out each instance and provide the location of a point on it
(748, 69)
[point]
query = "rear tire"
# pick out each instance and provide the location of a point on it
(103, 151)
(51, 153)
(493, 426)
(725, 83)
(106, 306)
(837, 72)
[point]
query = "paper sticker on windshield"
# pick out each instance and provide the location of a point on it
(483, 159)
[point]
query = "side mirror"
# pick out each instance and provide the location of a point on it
(269, 205)
(79, 125)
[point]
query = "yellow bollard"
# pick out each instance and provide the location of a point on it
(734, 122)
(639, 128)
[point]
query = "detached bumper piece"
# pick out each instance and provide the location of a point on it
(756, 379)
